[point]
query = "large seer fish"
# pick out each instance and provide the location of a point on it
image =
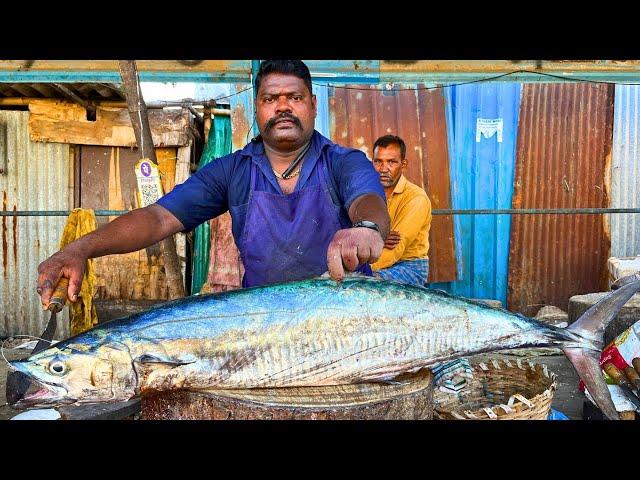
(312, 332)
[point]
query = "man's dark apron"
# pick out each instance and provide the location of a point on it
(285, 237)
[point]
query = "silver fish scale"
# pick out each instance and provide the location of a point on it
(359, 331)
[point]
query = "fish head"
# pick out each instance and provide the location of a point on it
(70, 374)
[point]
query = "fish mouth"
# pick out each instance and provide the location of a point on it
(26, 391)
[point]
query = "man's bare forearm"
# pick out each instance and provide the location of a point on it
(371, 207)
(133, 231)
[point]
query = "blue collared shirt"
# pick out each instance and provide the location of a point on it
(225, 182)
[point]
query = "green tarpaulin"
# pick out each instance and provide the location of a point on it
(218, 145)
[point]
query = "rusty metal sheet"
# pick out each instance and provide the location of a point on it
(562, 154)
(360, 114)
(37, 178)
(242, 115)
(409, 113)
(437, 183)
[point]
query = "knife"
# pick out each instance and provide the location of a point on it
(56, 304)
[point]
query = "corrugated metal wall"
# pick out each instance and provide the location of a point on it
(563, 151)
(37, 178)
(482, 166)
(360, 114)
(625, 171)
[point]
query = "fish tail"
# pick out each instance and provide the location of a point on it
(589, 330)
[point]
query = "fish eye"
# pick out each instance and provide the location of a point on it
(56, 367)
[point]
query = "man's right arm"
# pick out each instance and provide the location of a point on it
(201, 197)
(133, 231)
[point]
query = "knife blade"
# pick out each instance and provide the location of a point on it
(56, 304)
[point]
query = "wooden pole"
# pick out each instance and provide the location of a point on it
(140, 122)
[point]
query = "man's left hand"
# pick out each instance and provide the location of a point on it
(351, 247)
(392, 240)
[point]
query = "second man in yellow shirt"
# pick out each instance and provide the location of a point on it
(405, 254)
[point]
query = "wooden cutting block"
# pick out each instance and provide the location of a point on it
(411, 398)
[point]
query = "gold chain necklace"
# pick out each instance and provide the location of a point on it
(294, 174)
(293, 164)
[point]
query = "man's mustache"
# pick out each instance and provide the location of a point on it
(271, 123)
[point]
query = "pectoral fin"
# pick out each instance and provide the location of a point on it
(148, 358)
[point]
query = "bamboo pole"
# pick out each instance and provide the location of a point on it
(140, 122)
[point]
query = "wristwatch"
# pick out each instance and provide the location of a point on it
(367, 224)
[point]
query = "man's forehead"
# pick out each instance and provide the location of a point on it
(279, 82)
(390, 151)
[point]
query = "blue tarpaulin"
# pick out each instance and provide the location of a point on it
(482, 125)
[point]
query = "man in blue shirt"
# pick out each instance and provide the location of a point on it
(300, 204)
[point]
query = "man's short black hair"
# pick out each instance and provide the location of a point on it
(286, 67)
(387, 140)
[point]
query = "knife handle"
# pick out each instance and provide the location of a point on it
(59, 296)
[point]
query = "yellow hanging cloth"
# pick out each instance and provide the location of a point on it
(82, 313)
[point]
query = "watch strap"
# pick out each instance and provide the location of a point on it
(367, 224)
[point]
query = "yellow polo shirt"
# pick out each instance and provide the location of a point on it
(410, 214)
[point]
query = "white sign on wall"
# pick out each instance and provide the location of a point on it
(488, 127)
(149, 184)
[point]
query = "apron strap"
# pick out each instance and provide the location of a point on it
(252, 176)
(328, 181)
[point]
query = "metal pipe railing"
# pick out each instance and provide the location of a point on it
(536, 211)
(504, 211)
